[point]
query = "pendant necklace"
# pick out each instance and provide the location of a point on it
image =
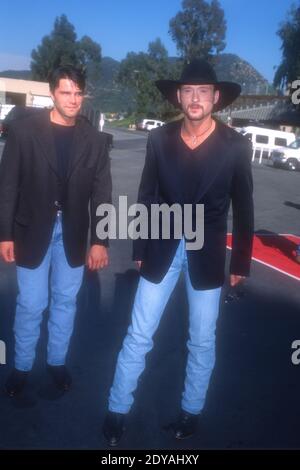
(194, 137)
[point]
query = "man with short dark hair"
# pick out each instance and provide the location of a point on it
(54, 166)
(196, 160)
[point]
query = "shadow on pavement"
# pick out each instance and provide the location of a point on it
(253, 398)
(281, 243)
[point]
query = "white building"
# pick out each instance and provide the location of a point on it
(23, 93)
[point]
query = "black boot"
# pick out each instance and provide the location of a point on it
(60, 376)
(113, 427)
(16, 382)
(185, 426)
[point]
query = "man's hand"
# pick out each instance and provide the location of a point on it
(139, 264)
(7, 251)
(235, 279)
(97, 257)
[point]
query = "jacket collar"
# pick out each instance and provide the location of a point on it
(214, 163)
(46, 141)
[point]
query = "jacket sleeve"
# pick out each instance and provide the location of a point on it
(243, 212)
(101, 191)
(9, 185)
(146, 194)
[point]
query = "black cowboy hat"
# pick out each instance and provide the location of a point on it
(199, 72)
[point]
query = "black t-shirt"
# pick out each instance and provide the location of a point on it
(193, 164)
(63, 139)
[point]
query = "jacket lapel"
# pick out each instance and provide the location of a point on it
(79, 145)
(215, 161)
(210, 169)
(173, 159)
(46, 141)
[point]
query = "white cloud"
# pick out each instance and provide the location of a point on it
(14, 62)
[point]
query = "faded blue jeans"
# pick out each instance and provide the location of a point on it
(149, 304)
(33, 298)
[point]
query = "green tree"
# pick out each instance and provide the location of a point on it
(133, 75)
(289, 33)
(158, 68)
(139, 71)
(61, 47)
(199, 29)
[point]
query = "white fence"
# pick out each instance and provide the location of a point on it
(261, 151)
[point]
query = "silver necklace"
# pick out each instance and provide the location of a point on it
(194, 137)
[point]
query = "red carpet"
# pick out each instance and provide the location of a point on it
(276, 251)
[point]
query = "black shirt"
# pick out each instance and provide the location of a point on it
(193, 164)
(63, 138)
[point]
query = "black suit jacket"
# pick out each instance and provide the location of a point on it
(30, 186)
(227, 177)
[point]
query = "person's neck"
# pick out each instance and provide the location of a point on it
(197, 127)
(57, 118)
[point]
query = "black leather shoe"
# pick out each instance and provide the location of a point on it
(185, 426)
(60, 376)
(113, 427)
(16, 382)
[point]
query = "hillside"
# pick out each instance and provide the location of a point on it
(114, 98)
(232, 68)
(20, 74)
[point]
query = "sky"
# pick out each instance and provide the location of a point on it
(121, 26)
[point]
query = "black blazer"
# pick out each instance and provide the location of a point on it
(227, 177)
(30, 186)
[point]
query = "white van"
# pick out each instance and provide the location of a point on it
(287, 157)
(267, 139)
(149, 124)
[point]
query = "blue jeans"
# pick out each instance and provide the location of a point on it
(32, 300)
(149, 304)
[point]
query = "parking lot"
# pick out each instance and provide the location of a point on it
(253, 399)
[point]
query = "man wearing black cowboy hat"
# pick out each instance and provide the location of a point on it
(196, 160)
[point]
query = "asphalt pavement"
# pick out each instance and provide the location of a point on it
(253, 398)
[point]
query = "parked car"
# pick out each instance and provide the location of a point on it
(110, 137)
(287, 157)
(267, 139)
(110, 140)
(149, 124)
(17, 112)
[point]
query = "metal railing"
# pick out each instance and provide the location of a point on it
(261, 150)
